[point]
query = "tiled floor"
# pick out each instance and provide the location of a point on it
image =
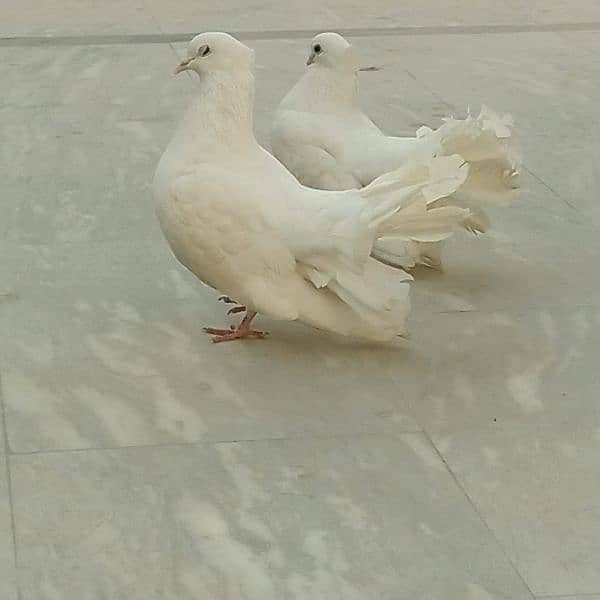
(141, 462)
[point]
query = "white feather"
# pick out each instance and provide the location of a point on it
(242, 223)
(321, 117)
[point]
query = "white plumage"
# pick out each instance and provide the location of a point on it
(322, 136)
(236, 218)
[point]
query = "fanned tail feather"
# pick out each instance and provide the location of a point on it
(488, 144)
(404, 249)
(396, 211)
(419, 223)
(403, 214)
(379, 296)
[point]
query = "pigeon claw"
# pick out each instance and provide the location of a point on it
(214, 331)
(229, 336)
(236, 332)
(236, 309)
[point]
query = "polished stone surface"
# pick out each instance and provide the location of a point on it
(118, 357)
(147, 463)
(8, 578)
(576, 597)
(71, 17)
(346, 518)
(536, 484)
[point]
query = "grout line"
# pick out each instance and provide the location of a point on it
(183, 444)
(9, 486)
(549, 188)
(439, 98)
(479, 515)
(283, 34)
(458, 483)
(431, 91)
(201, 443)
(567, 596)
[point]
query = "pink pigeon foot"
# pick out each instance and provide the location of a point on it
(239, 332)
(214, 331)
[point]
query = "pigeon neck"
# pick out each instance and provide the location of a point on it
(331, 90)
(222, 112)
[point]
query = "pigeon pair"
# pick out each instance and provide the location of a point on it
(325, 240)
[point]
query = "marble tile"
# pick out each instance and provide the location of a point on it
(532, 257)
(325, 16)
(85, 132)
(80, 101)
(131, 79)
(149, 16)
(536, 485)
(555, 11)
(94, 319)
(117, 356)
(65, 126)
(107, 355)
(347, 518)
(2, 438)
(8, 580)
(424, 78)
(572, 597)
(586, 40)
(493, 369)
(102, 344)
(401, 104)
(343, 14)
(551, 98)
(75, 17)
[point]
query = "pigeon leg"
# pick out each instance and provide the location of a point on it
(239, 332)
(235, 309)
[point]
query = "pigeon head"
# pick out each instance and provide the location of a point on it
(331, 50)
(214, 51)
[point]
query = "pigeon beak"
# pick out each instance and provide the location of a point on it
(182, 66)
(311, 59)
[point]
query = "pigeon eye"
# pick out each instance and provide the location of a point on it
(317, 48)
(203, 50)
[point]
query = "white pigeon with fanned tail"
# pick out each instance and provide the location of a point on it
(236, 218)
(322, 136)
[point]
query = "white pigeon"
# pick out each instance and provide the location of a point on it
(322, 136)
(236, 218)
